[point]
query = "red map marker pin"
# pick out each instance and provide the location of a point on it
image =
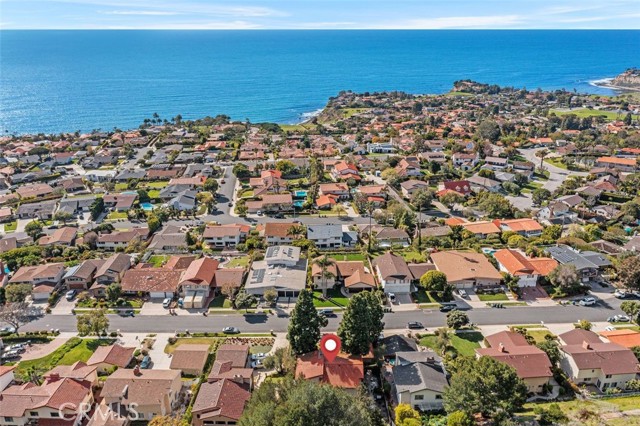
(330, 346)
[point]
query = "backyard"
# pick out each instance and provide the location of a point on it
(239, 262)
(595, 407)
(158, 260)
(10, 226)
(465, 343)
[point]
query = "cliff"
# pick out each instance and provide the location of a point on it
(629, 79)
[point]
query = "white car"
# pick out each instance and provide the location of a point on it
(587, 301)
(258, 356)
(619, 318)
(257, 364)
(166, 302)
(620, 294)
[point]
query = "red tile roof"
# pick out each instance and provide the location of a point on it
(344, 371)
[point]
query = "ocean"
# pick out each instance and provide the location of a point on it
(59, 81)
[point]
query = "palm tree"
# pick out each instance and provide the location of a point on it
(324, 263)
(339, 208)
(541, 154)
(296, 231)
(34, 375)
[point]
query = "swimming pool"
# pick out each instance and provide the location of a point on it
(298, 204)
(146, 206)
(300, 194)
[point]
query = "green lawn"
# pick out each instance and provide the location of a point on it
(158, 260)
(412, 256)
(493, 297)
(348, 256)
(597, 406)
(121, 187)
(239, 262)
(586, 112)
(335, 299)
(556, 162)
(10, 227)
(350, 112)
(192, 341)
(117, 215)
(260, 349)
(302, 127)
(539, 335)
(422, 296)
(153, 193)
(465, 343)
(454, 93)
(75, 349)
(157, 185)
(220, 301)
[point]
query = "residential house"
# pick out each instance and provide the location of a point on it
(78, 371)
(412, 186)
(479, 183)
(225, 235)
(386, 236)
(393, 273)
(36, 190)
(381, 148)
(44, 279)
(159, 283)
(121, 239)
(408, 167)
(629, 165)
(219, 403)
(171, 239)
(464, 161)
(353, 274)
(108, 272)
(525, 227)
(65, 236)
(190, 359)
(345, 371)
(461, 186)
(150, 393)
(325, 236)
(282, 269)
(120, 202)
(231, 364)
(29, 403)
(587, 360)
(530, 363)
(482, 229)
(527, 270)
(419, 379)
(626, 337)
(271, 203)
(496, 163)
(106, 358)
(339, 189)
(343, 171)
(466, 269)
(277, 233)
(6, 376)
(197, 282)
(588, 263)
(40, 210)
(80, 277)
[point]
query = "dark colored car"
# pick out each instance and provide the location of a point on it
(415, 325)
(448, 308)
(230, 204)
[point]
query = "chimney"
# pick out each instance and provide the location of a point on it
(53, 377)
(586, 345)
(136, 370)
(501, 347)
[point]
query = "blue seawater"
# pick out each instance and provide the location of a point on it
(55, 81)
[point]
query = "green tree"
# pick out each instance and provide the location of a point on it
(407, 416)
(113, 292)
(541, 154)
(551, 348)
(14, 314)
(584, 324)
(304, 325)
(270, 295)
(361, 323)
(565, 277)
(286, 167)
(63, 217)
(459, 418)
(630, 308)
(488, 130)
(143, 196)
(494, 205)
(33, 229)
(94, 322)
(282, 361)
(97, 207)
(436, 281)
(485, 386)
(457, 319)
(244, 300)
(291, 402)
(629, 272)
(17, 292)
(450, 198)
(241, 171)
(553, 415)
(210, 185)
(154, 223)
(166, 421)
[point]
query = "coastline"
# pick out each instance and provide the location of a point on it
(605, 83)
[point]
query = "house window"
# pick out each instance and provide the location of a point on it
(33, 413)
(419, 397)
(608, 376)
(54, 414)
(438, 396)
(8, 419)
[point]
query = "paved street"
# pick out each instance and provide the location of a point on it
(556, 174)
(396, 320)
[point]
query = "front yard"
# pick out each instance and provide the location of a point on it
(117, 215)
(129, 302)
(75, 349)
(11, 226)
(465, 343)
(334, 299)
(220, 301)
(493, 297)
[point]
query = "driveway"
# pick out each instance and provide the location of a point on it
(63, 307)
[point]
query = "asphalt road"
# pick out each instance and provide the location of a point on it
(393, 321)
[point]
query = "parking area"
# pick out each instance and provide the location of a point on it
(153, 307)
(63, 307)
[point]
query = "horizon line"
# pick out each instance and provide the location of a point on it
(319, 29)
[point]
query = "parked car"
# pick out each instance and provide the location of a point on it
(327, 312)
(231, 330)
(415, 325)
(620, 294)
(166, 302)
(392, 297)
(126, 313)
(9, 355)
(7, 330)
(230, 204)
(462, 293)
(257, 364)
(278, 216)
(257, 356)
(619, 318)
(259, 213)
(587, 301)
(70, 295)
(448, 307)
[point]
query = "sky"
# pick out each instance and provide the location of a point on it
(319, 14)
